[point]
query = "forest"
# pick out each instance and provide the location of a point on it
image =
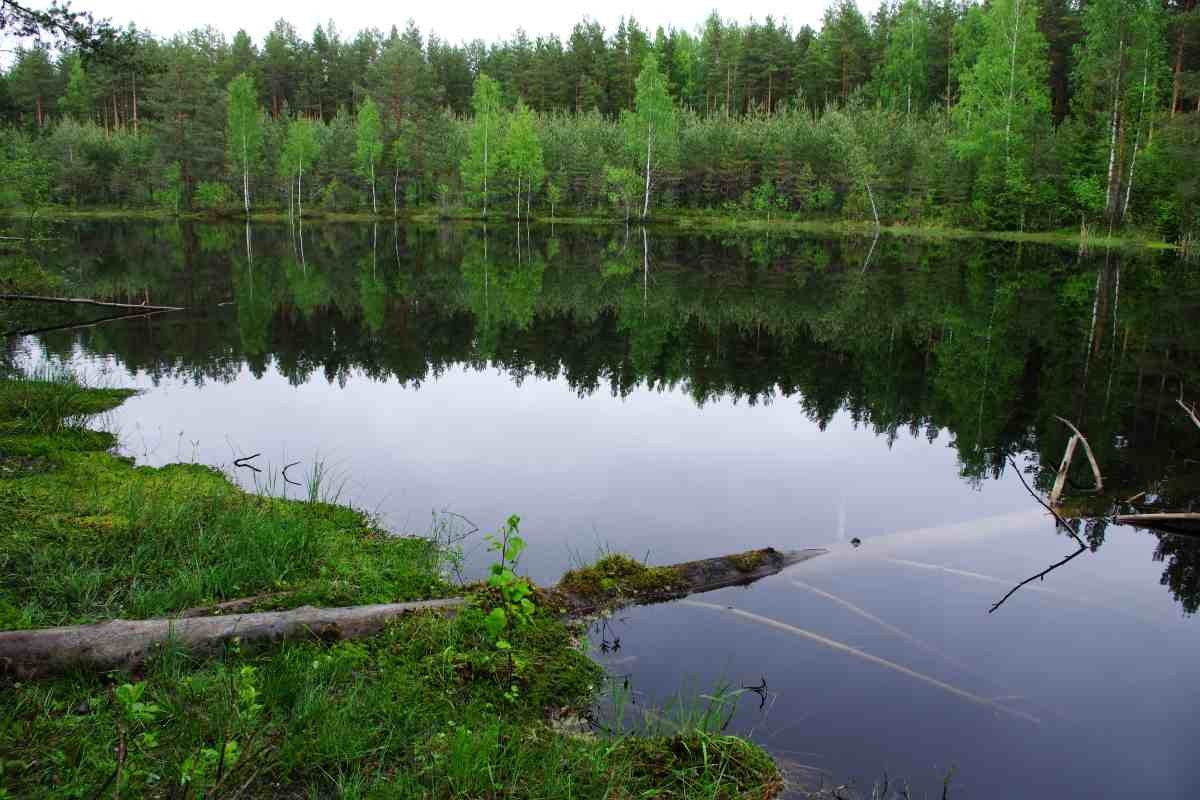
(1015, 115)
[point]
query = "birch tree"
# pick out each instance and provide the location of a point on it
(522, 154)
(1004, 98)
(905, 80)
(651, 127)
(369, 147)
(480, 163)
(300, 149)
(244, 131)
(1118, 72)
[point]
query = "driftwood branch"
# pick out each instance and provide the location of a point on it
(1087, 449)
(127, 644)
(1189, 411)
(1061, 480)
(37, 298)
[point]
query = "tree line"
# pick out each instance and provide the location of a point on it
(1007, 114)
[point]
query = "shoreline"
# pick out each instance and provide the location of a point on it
(687, 222)
(433, 703)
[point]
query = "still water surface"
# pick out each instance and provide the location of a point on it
(678, 397)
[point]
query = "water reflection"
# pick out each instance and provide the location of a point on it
(988, 342)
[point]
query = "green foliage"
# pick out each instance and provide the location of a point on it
(211, 196)
(946, 111)
(516, 607)
(1004, 107)
(244, 132)
(369, 143)
(480, 162)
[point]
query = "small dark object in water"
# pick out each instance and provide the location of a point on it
(855, 542)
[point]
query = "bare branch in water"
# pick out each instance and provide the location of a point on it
(1042, 502)
(1039, 576)
(1087, 449)
(1189, 411)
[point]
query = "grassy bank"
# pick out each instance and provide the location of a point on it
(434, 706)
(682, 220)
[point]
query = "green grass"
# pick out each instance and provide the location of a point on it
(430, 708)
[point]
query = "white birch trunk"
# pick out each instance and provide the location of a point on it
(374, 202)
(1012, 77)
(649, 138)
(1110, 196)
(1137, 137)
(245, 175)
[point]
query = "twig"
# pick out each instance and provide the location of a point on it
(244, 462)
(1052, 567)
(1087, 449)
(286, 479)
(1042, 502)
(121, 752)
(1040, 575)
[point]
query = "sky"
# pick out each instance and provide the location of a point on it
(454, 21)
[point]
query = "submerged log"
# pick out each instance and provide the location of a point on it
(127, 644)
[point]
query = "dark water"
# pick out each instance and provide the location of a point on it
(677, 397)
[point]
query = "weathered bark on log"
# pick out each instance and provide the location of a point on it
(122, 644)
(37, 298)
(127, 644)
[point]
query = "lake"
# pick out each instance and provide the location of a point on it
(678, 395)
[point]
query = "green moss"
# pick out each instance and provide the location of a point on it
(618, 575)
(748, 561)
(671, 766)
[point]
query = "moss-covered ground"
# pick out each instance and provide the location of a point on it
(430, 708)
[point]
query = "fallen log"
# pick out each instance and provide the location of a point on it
(1183, 523)
(87, 301)
(127, 644)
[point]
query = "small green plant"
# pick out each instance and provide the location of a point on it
(129, 699)
(516, 607)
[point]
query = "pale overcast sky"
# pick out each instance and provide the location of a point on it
(454, 20)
